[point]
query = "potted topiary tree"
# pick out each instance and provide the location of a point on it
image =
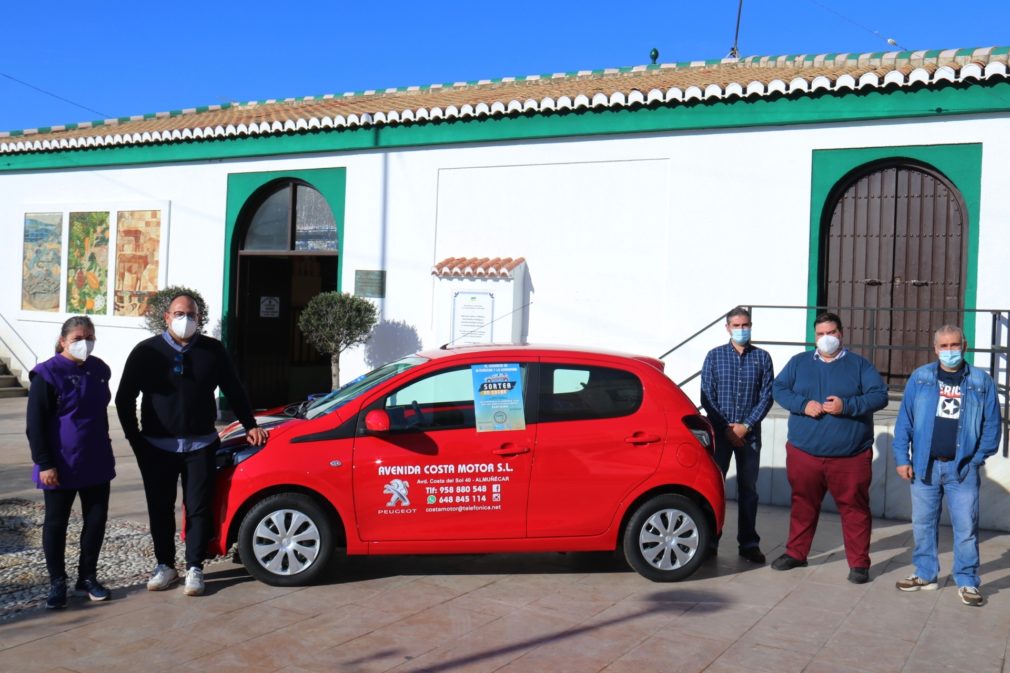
(335, 321)
(157, 305)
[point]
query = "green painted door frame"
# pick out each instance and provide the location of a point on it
(961, 164)
(330, 182)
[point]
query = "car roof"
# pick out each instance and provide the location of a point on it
(538, 349)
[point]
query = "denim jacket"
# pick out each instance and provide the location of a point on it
(978, 428)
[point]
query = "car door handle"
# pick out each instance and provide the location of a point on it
(510, 449)
(642, 438)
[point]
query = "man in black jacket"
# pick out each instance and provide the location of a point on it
(178, 372)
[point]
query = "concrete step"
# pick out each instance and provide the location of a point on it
(13, 392)
(8, 380)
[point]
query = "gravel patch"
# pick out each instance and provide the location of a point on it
(126, 560)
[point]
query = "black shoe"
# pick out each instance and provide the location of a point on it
(753, 554)
(787, 562)
(711, 553)
(57, 594)
(859, 575)
(92, 588)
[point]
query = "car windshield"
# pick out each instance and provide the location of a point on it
(362, 384)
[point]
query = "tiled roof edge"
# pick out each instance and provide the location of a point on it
(921, 57)
(889, 58)
(971, 62)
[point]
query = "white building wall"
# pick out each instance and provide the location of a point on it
(632, 243)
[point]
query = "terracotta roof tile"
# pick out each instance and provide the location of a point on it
(666, 84)
(478, 267)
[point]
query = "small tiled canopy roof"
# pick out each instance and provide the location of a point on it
(653, 85)
(501, 268)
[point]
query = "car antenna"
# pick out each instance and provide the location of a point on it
(446, 345)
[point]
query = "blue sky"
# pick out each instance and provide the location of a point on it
(120, 59)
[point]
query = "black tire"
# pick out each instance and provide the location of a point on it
(267, 547)
(666, 538)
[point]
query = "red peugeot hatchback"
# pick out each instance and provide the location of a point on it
(478, 450)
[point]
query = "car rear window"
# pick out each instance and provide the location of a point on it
(577, 392)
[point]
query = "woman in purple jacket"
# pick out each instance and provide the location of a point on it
(68, 432)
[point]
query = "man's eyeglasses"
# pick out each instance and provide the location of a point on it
(177, 368)
(183, 314)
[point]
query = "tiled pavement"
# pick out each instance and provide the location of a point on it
(545, 612)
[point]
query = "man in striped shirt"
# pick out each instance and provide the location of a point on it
(736, 393)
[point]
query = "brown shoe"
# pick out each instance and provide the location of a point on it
(916, 583)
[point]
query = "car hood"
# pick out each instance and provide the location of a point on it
(234, 434)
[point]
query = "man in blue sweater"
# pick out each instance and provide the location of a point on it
(949, 421)
(831, 394)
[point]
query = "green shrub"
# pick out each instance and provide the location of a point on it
(335, 321)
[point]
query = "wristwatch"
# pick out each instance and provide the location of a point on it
(746, 426)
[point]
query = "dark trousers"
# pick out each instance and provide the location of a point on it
(161, 471)
(848, 481)
(748, 459)
(94, 511)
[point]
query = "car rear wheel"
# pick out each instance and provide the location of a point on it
(286, 540)
(666, 538)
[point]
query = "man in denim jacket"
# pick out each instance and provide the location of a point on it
(950, 420)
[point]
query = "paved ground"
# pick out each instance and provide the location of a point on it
(546, 612)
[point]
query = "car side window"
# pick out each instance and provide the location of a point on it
(440, 401)
(577, 392)
(443, 400)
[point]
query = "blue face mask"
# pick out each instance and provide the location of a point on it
(741, 336)
(952, 359)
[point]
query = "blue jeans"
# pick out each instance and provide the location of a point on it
(962, 503)
(748, 459)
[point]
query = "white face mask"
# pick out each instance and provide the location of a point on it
(828, 344)
(183, 327)
(80, 350)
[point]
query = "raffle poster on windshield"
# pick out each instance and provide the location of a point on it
(498, 397)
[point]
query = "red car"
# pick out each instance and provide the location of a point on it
(478, 450)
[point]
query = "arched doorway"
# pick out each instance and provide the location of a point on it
(287, 254)
(893, 262)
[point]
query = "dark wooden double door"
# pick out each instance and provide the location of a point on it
(278, 365)
(893, 264)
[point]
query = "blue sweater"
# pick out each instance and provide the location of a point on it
(851, 378)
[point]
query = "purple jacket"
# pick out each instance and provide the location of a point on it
(68, 421)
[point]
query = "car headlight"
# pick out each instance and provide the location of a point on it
(245, 454)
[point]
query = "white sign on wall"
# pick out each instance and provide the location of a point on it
(472, 316)
(270, 307)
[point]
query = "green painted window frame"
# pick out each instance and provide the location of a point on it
(330, 182)
(961, 164)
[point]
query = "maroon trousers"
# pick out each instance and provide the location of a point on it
(848, 481)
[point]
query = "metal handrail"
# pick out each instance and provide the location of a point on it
(10, 350)
(1001, 378)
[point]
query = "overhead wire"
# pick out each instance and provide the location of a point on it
(889, 40)
(52, 95)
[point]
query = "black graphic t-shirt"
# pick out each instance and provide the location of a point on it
(948, 412)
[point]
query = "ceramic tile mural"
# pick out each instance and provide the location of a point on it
(88, 262)
(138, 239)
(40, 274)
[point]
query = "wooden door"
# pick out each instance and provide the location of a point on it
(894, 264)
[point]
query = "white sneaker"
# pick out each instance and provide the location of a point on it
(162, 578)
(194, 582)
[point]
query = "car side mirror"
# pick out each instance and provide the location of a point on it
(377, 420)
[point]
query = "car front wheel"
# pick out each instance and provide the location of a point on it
(666, 538)
(286, 540)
